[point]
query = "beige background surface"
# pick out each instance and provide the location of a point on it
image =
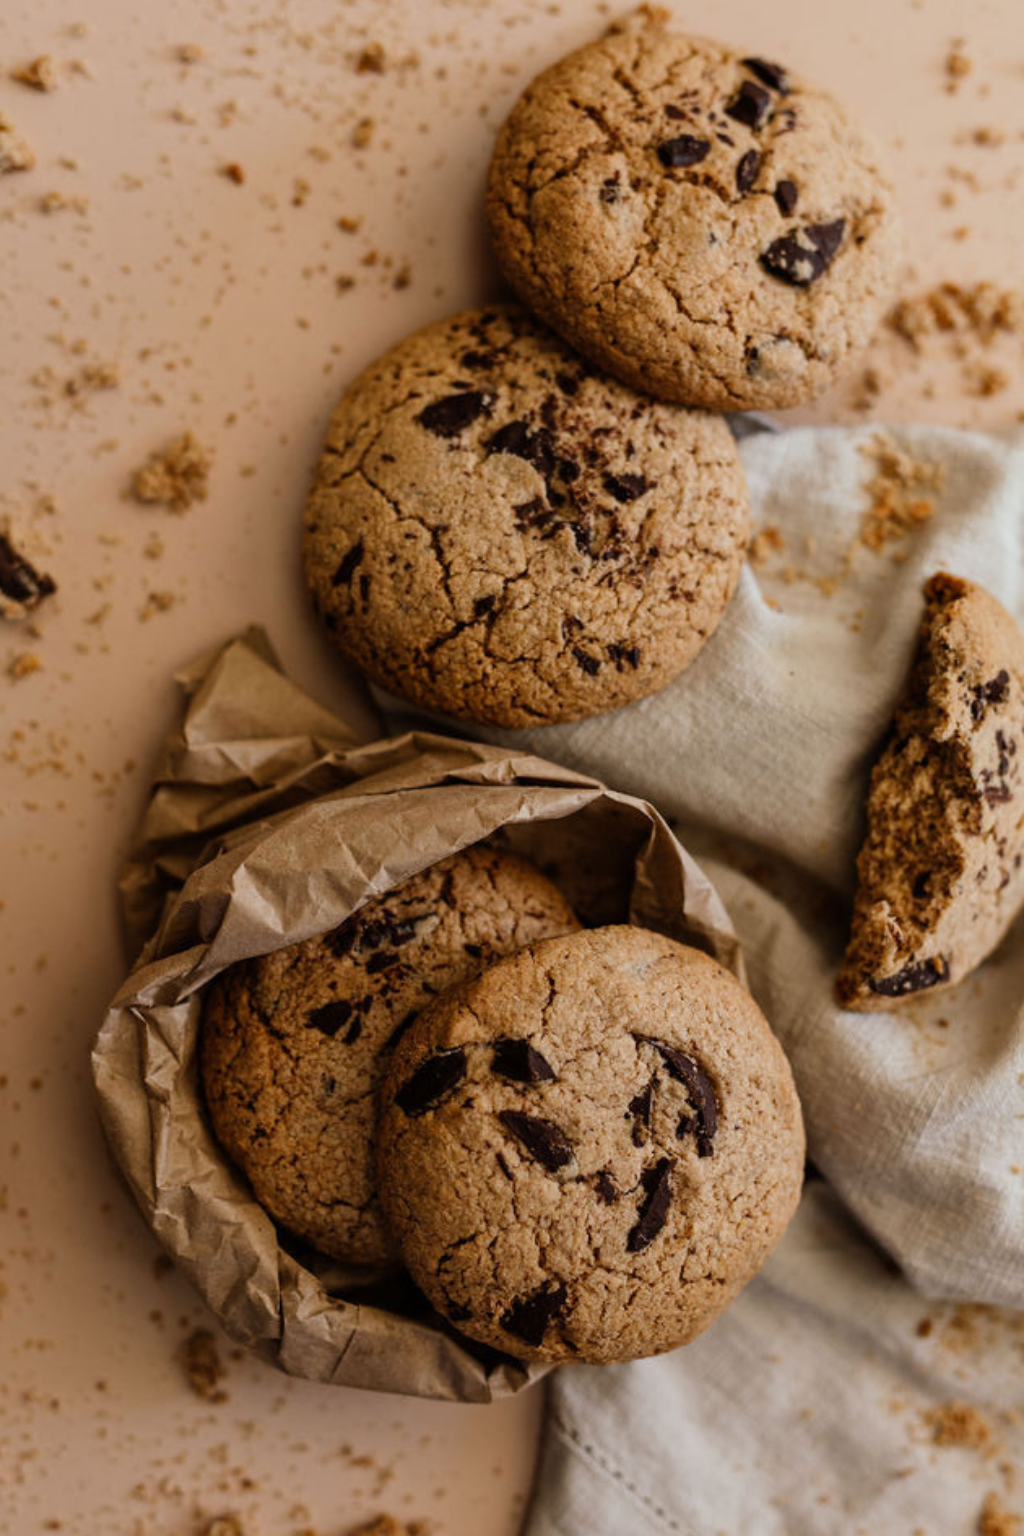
(219, 305)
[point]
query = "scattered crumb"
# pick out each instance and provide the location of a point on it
(15, 154)
(959, 1424)
(22, 664)
(994, 1520)
(387, 1525)
(156, 602)
(40, 74)
(300, 192)
(222, 1525)
(362, 133)
(154, 547)
(957, 65)
(55, 202)
(93, 376)
(896, 493)
(176, 477)
(203, 1366)
(767, 541)
(234, 172)
(982, 309)
(349, 225)
(372, 60)
(402, 278)
(189, 53)
(344, 281)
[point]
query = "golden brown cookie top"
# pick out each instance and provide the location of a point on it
(587, 1151)
(707, 227)
(293, 1044)
(502, 534)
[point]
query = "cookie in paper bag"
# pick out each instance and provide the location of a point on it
(293, 1043)
(586, 1152)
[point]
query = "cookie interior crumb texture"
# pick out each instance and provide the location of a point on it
(707, 227)
(500, 533)
(294, 1043)
(589, 1150)
(940, 874)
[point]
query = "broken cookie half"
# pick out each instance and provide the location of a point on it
(940, 875)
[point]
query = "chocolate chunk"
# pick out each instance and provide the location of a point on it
(543, 1139)
(772, 75)
(531, 1317)
(522, 1062)
(994, 692)
(657, 1184)
(701, 1093)
(568, 470)
(605, 1186)
(568, 384)
(432, 1082)
(786, 196)
(802, 257)
(534, 513)
(997, 794)
(610, 190)
(581, 533)
(640, 1108)
(747, 169)
(334, 1016)
(394, 931)
(624, 654)
(589, 664)
(484, 605)
(916, 977)
(826, 238)
(20, 582)
(675, 113)
(341, 940)
(537, 448)
(686, 150)
(479, 360)
(452, 414)
(379, 961)
(751, 106)
(625, 487)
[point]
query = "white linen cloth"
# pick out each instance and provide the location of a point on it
(779, 1421)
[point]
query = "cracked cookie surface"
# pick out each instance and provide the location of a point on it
(941, 872)
(293, 1044)
(585, 1153)
(500, 533)
(707, 227)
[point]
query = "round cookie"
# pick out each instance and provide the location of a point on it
(499, 533)
(586, 1152)
(293, 1044)
(709, 228)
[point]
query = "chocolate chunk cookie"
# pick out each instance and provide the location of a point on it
(499, 533)
(940, 873)
(707, 227)
(586, 1152)
(293, 1043)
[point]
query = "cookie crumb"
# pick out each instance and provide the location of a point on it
(387, 1525)
(994, 1520)
(958, 64)
(234, 172)
(223, 1525)
(203, 1367)
(372, 60)
(959, 1424)
(349, 224)
(176, 477)
(189, 53)
(898, 503)
(15, 155)
(40, 74)
(362, 133)
(156, 602)
(767, 541)
(22, 664)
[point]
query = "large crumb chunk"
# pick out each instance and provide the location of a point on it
(176, 476)
(941, 872)
(15, 154)
(40, 74)
(203, 1366)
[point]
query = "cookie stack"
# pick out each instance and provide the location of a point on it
(526, 515)
(580, 1143)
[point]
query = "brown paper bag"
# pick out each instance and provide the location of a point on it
(268, 824)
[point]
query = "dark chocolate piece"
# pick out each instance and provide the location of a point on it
(772, 75)
(521, 1062)
(452, 414)
(20, 582)
(751, 106)
(640, 1108)
(625, 487)
(786, 196)
(801, 258)
(537, 448)
(747, 169)
(994, 692)
(916, 977)
(589, 664)
(334, 1016)
(432, 1082)
(657, 1184)
(531, 1317)
(543, 1139)
(698, 1085)
(683, 151)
